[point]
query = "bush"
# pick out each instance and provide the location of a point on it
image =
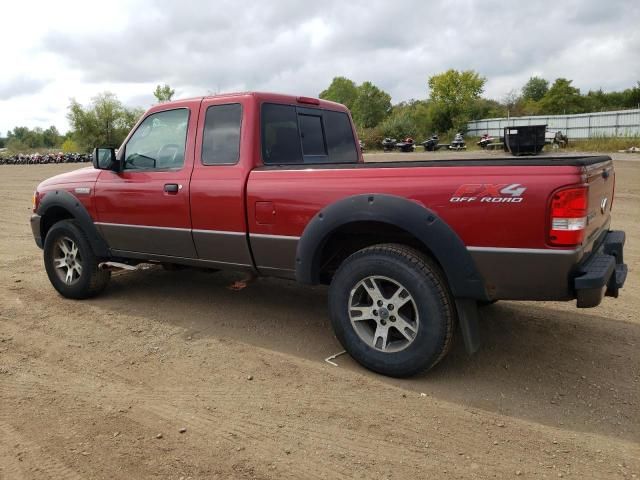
(372, 138)
(69, 146)
(399, 126)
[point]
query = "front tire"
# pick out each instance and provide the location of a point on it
(391, 309)
(71, 265)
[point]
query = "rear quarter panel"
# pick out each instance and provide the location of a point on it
(298, 194)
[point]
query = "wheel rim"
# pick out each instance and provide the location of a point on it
(67, 260)
(383, 314)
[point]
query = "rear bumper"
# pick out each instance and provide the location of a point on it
(35, 228)
(554, 274)
(603, 273)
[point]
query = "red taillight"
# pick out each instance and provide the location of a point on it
(568, 216)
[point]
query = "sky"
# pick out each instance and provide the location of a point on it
(54, 51)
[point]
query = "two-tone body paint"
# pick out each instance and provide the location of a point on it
(506, 240)
(206, 219)
(249, 215)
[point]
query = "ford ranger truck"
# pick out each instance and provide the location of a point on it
(275, 185)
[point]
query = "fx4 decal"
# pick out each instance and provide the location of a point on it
(489, 193)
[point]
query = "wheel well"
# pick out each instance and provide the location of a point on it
(51, 217)
(355, 236)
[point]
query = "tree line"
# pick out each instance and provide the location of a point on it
(455, 98)
(106, 121)
(24, 138)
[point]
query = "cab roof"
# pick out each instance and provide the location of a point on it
(270, 97)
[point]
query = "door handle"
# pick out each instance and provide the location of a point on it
(172, 187)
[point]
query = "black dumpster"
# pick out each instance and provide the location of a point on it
(525, 139)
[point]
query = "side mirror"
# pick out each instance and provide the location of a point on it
(104, 158)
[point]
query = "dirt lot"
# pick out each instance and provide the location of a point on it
(86, 388)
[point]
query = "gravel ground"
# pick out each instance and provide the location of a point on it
(173, 375)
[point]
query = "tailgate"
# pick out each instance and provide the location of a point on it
(601, 180)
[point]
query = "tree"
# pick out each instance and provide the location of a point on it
(69, 146)
(164, 93)
(632, 97)
(22, 138)
(371, 106)
(486, 108)
(453, 95)
(18, 133)
(51, 137)
(562, 98)
(535, 89)
(407, 119)
(512, 101)
(105, 122)
(341, 90)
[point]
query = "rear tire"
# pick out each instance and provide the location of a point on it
(391, 309)
(71, 265)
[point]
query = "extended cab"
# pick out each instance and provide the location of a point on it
(276, 185)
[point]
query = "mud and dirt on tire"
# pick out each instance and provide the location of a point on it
(428, 321)
(71, 265)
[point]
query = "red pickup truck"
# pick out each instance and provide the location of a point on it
(276, 185)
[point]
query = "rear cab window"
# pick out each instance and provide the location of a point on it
(293, 135)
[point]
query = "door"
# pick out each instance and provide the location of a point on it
(144, 208)
(221, 165)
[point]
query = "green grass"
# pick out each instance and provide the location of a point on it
(603, 144)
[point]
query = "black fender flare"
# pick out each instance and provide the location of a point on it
(439, 238)
(63, 199)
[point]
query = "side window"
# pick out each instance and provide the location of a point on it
(221, 138)
(296, 135)
(280, 137)
(342, 145)
(159, 142)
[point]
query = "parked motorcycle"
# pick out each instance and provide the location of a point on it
(458, 142)
(560, 140)
(431, 144)
(408, 145)
(38, 159)
(485, 140)
(389, 144)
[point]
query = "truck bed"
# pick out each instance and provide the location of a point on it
(505, 237)
(419, 160)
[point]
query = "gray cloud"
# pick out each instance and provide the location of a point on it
(144, 101)
(17, 86)
(290, 46)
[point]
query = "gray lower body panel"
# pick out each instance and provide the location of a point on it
(147, 239)
(225, 247)
(275, 255)
(191, 262)
(527, 274)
